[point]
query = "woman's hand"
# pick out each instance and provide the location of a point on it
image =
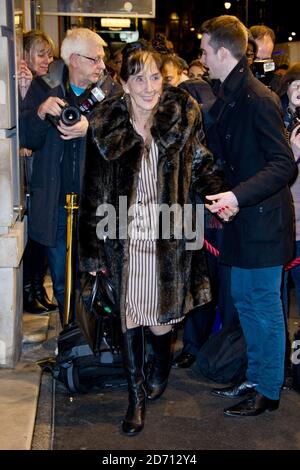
(225, 205)
(24, 78)
(25, 152)
(295, 142)
(103, 271)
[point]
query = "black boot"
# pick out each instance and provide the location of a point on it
(30, 303)
(41, 294)
(159, 369)
(133, 357)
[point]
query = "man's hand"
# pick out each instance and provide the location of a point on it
(225, 205)
(295, 142)
(72, 132)
(52, 105)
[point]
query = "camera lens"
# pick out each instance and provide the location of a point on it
(70, 115)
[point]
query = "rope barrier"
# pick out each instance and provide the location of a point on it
(215, 252)
(292, 264)
(211, 249)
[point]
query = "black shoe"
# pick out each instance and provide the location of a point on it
(30, 302)
(234, 391)
(47, 304)
(35, 307)
(41, 294)
(183, 360)
(133, 423)
(252, 406)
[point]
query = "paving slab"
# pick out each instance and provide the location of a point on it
(19, 392)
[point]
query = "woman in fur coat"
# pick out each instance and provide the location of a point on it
(147, 152)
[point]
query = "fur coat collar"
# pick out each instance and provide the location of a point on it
(176, 115)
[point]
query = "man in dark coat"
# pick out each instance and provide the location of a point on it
(59, 151)
(248, 136)
(199, 321)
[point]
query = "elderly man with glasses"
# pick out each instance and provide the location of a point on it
(60, 150)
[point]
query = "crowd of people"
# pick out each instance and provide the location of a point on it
(169, 134)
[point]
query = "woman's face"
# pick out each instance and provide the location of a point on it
(117, 62)
(293, 93)
(195, 71)
(39, 58)
(171, 74)
(250, 53)
(145, 87)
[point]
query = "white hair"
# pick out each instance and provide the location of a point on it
(78, 41)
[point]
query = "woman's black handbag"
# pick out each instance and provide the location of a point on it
(96, 312)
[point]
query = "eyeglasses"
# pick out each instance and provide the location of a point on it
(95, 60)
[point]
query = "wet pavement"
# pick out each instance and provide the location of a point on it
(186, 417)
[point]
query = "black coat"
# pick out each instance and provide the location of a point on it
(203, 94)
(48, 147)
(112, 170)
(249, 139)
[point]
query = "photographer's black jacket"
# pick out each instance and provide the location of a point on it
(49, 148)
(248, 137)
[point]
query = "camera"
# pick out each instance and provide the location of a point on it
(263, 70)
(71, 114)
(294, 120)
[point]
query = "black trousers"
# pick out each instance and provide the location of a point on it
(34, 261)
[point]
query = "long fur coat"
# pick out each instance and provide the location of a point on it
(185, 167)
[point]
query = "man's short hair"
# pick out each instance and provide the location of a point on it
(261, 30)
(77, 41)
(292, 74)
(227, 31)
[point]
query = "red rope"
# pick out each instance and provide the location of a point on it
(292, 264)
(211, 249)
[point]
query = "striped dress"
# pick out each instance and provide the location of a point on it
(142, 285)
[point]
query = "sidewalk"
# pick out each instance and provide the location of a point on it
(27, 408)
(20, 387)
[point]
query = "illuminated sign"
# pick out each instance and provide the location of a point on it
(115, 22)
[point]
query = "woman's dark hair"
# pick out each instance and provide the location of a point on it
(134, 60)
(131, 47)
(161, 45)
(252, 42)
(292, 74)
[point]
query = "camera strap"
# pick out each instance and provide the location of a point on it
(54, 77)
